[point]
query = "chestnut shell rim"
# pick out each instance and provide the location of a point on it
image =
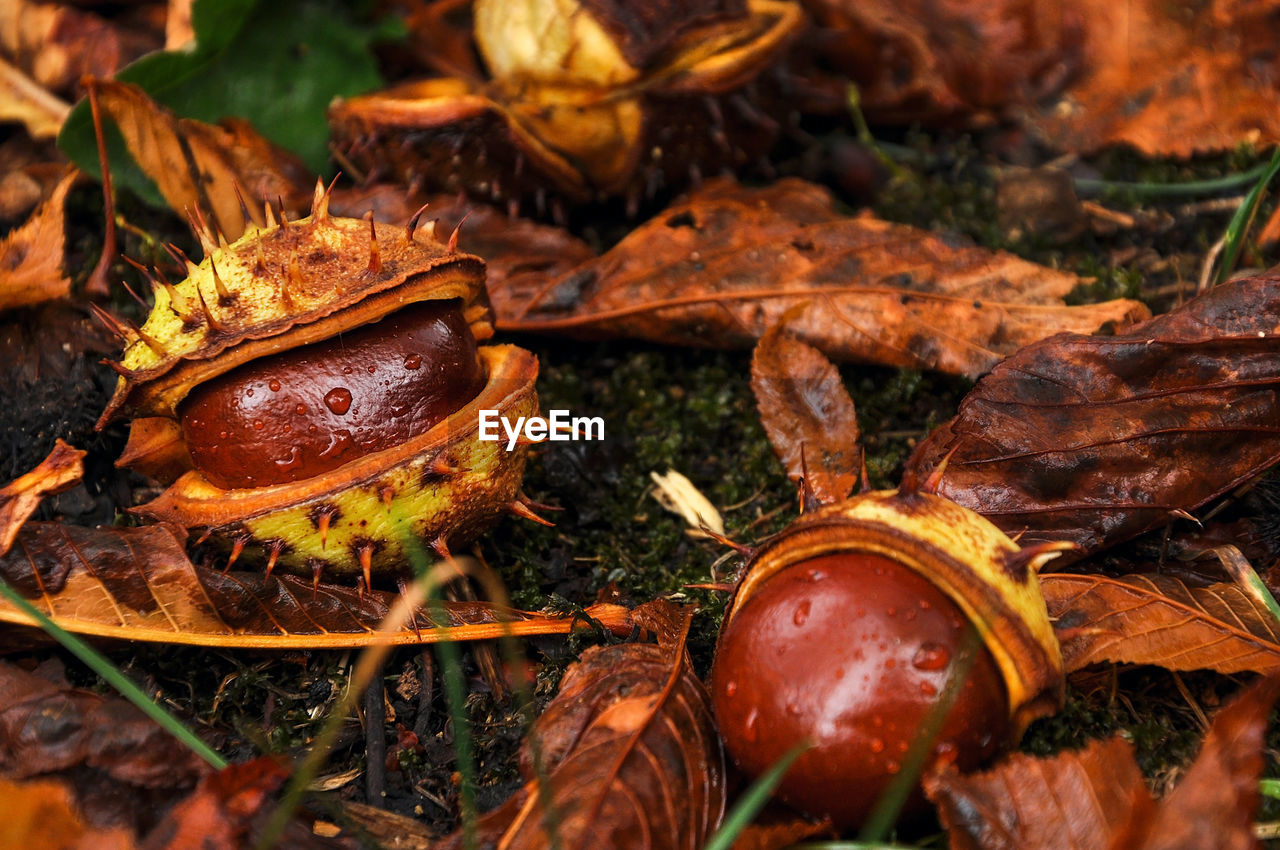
(192, 501)
(1022, 643)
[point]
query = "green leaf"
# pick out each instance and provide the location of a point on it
(277, 65)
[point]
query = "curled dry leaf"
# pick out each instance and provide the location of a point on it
(1157, 619)
(721, 268)
(199, 166)
(807, 413)
(1096, 798)
(1097, 439)
(123, 768)
(138, 584)
(61, 470)
(31, 256)
(630, 756)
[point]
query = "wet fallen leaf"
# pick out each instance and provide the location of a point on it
(630, 755)
(124, 769)
(63, 468)
(724, 266)
(807, 413)
(1156, 619)
(31, 257)
(199, 166)
(139, 584)
(1096, 798)
(1097, 439)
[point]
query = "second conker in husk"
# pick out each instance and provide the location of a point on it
(888, 631)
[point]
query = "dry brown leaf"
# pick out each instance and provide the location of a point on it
(630, 753)
(807, 413)
(1170, 79)
(138, 584)
(1156, 619)
(721, 268)
(42, 813)
(1096, 798)
(61, 470)
(1097, 439)
(31, 256)
(198, 166)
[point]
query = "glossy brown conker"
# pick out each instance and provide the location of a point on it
(852, 652)
(308, 410)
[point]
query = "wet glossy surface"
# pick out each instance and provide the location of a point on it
(853, 653)
(306, 411)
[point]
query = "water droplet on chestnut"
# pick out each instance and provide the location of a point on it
(338, 400)
(931, 656)
(274, 385)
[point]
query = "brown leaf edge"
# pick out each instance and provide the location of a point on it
(1160, 620)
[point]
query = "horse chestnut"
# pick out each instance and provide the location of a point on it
(311, 393)
(309, 410)
(852, 652)
(886, 626)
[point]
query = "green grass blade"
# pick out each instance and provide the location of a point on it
(111, 674)
(1243, 218)
(1270, 788)
(751, 802)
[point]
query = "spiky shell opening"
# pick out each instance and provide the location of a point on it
(282, 286)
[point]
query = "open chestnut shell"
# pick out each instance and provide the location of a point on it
(313, 392)
(885, 628)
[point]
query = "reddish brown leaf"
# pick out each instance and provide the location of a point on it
(807, 413)
(1096, 798)
(631, 757)
(1097, 439)
(138, 584)
(723, 267)
(61, 470)
(198, 166)
(124, 768)
(1155, 619)
(31, 256)
(1073, 801)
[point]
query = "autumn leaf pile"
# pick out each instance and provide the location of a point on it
(1072, 374)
